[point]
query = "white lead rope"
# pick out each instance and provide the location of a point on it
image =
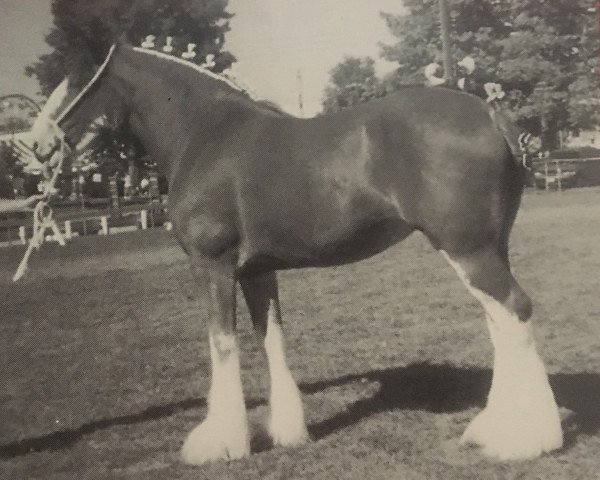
(42, 216)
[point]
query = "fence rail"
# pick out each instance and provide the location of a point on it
(86, 217)
(559, 173)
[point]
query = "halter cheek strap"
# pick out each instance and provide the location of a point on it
(60, 135)
(59, 132)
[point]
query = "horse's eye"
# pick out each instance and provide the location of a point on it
(35, 145)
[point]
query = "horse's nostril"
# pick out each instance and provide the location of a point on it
(35, 145)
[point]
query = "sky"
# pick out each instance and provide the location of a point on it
(273, 41)
(23, 25)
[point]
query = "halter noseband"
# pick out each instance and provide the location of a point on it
(61, 137)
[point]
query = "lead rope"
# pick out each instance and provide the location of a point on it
(42, 217)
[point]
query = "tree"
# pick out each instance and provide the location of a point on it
(14, 124)
(84, 30)
(353, 81)
(544, 53)
(10, 165)
(114, 147)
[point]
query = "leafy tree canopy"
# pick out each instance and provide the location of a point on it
(353, 81)
(114, 146)
(545, 54)
(10, 164)
(84, 30)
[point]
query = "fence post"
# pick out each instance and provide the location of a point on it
(104, 223)
(22, 235)
(153, 191)
(144, 219)
(114, 203)
(68, 230)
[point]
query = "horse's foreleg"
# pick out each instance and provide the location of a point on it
(521, 418)
(224, 432)
(286, 422)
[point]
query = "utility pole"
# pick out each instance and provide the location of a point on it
(300, 97)
(446, 46)
(543, 90)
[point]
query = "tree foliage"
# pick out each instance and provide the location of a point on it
(10, 163)
(114, 147)
(84, 30)
(544, 53)
(352, 81)
(14, 124)
(10, 167)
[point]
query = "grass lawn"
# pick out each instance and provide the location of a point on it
(104, 363)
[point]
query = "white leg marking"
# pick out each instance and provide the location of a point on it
(286, 423)
(224, 432)
(521, 418)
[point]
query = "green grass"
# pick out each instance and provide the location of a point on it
(104, 361)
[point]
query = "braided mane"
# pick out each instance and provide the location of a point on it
(200, 69)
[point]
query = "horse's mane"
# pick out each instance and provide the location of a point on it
(200, 69)
(267, 105)
(271, 107)
(235, 85)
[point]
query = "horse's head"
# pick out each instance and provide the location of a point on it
(45, 134)
(73, 114)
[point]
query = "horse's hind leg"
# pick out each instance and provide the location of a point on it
(521, 418)
(224, 432)
(286, 422)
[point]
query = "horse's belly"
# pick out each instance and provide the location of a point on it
(318, 250)
(333, 220)
(363, 242)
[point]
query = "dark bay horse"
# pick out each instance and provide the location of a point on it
(253, 190)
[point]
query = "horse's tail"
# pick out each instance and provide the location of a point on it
(515, 139)
(516, 143)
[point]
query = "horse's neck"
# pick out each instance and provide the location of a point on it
(168, 126)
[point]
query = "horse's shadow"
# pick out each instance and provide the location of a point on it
(419, 386)
(447, 388)
(422, 386)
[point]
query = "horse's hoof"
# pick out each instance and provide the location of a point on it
(513, 437)
(286, 423)
(212, 441)
(288, 435)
